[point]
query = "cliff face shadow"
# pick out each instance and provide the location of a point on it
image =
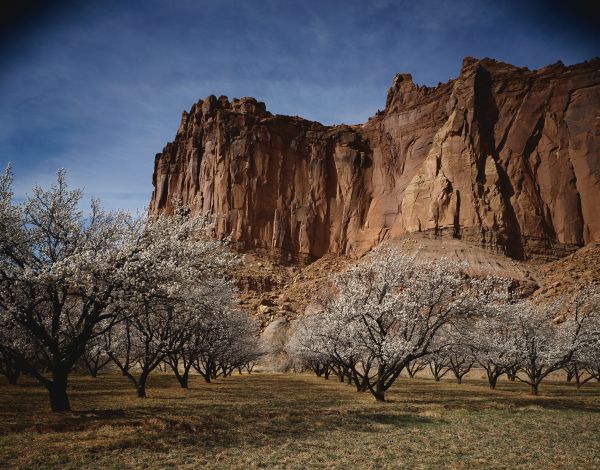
(487, 114)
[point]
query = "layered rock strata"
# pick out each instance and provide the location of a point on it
(501, 156)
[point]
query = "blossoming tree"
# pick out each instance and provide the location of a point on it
(386, 311)
(67, 277)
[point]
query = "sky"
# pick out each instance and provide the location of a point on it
(98, 87)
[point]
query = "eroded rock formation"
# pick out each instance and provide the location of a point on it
(501, 156)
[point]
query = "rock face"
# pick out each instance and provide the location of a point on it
(501, 156)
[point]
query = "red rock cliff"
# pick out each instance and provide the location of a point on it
(502, 156)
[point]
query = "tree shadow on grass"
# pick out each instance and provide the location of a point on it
(158, 429)
(392, 419)
(255, 412)
(261, 411)
(507, 396)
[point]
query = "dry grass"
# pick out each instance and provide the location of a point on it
(299, 421)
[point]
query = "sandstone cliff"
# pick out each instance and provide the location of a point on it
(501, 156)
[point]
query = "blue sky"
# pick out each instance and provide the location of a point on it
(97, 87)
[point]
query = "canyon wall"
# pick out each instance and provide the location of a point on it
(501, 156)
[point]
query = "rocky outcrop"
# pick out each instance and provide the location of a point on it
(501, 156)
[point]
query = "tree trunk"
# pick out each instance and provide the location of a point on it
(577, 376)
(379, 391)
(11, 369)
(59, 400)
(512, 374)
(184, 379)
(460, 373)
(569, 375)
(13, 376)
(141, 386)
(181, 378)
(434, 371)
(492, 379)
(534, 389)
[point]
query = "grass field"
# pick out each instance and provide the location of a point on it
(300, 421)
